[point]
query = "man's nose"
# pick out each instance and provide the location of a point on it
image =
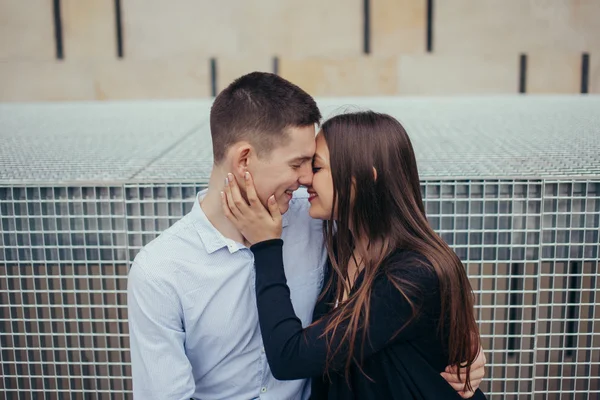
(306, 175)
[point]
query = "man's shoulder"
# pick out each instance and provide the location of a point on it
(161, 255)
(298, 210)
(299, 203)
(301, 227)
(300, 194)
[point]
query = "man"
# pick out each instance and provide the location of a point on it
(192, 309)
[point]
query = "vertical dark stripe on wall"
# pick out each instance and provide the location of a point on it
(585, 71)
(58, 34)
(366, 26)
(523, 74)
(429, 26)
(54, 316)
(276, 65)
(515, 304)
(119, 26)
(8, 382)
(572, 307)
(213, 77)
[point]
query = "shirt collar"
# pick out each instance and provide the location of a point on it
(211, 238)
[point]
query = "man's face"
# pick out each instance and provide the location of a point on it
(285, 168)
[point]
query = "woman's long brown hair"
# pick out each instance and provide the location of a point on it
(388, 210)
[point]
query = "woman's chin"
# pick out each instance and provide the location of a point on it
(316, 213)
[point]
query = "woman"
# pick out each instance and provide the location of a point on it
(397, 306)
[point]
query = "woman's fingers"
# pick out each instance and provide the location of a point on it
(479, 363)
(477, 374)
(458, 381)
(451, 377)
(453, 381)
(255, 222)
(229, 198)
(274, 209)
(251, 191)
(236, 195)
(226, 209)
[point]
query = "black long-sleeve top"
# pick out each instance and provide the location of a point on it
(404, 365)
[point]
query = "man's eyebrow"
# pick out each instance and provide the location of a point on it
(301, 159)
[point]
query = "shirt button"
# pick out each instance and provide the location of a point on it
(262, 350)
(263, 389)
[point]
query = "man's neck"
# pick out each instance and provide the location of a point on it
(213, 209)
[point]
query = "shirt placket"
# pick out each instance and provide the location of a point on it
(265, 372)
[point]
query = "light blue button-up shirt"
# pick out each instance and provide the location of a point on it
(193, 321)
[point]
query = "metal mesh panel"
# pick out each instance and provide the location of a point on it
(64, 268)
(66, 251)
(511, 184)
(494, 227)
(531, 253)
(568, 334)
(63, 279)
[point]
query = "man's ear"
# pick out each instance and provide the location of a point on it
(374, 174)
(243, 156)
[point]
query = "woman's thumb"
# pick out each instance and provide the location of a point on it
(274, 209)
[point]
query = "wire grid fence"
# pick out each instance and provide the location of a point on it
(531, 249)
(511, 183)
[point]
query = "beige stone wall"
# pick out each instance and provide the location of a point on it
(168, 47)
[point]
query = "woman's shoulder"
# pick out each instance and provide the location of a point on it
(403, 258)
(408, 275)
(410, 265)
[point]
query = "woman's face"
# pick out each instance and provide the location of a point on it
(321, 189)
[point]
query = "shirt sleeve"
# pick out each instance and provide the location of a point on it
(160, 367)
(294, 352)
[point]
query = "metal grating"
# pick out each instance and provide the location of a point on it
(133, 142)
(527, 231)
(531, 252)
(91, 142)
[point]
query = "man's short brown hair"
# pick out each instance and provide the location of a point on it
(258, 107)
